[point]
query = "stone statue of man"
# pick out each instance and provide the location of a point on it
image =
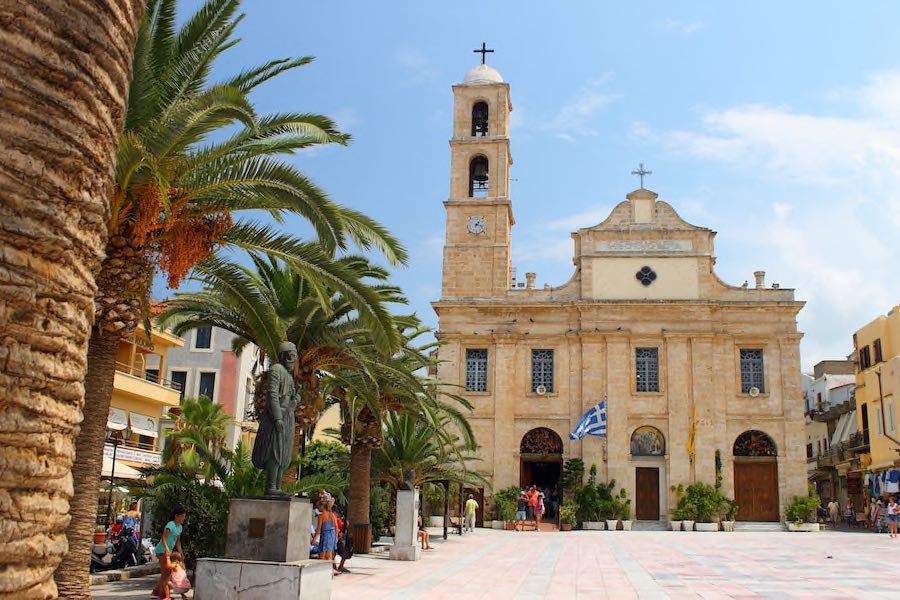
(274, 444)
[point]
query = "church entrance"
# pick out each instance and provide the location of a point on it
(540, 462)
(648, 451)
(756, 477)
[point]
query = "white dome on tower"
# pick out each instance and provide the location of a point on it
(482, 75)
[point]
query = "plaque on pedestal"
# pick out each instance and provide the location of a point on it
(272, 529)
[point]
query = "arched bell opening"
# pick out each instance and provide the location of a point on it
(478, 177)
(480, 119)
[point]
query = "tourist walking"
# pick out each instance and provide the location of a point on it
(169, 542)
(326, 533)
(521, 508)
(532, 503)
(850, 514)
(834, 512)
(471, 511)
(539, 511)
(893, 515)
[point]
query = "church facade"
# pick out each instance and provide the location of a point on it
(689, 366)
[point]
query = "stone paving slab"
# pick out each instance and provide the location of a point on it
(638, 564)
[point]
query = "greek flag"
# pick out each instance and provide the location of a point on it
(592, 423)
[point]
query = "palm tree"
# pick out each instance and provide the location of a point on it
(271, 303)
(410, 444)
(64, 68)
(176, 198)
(199, 429)
(378, 385)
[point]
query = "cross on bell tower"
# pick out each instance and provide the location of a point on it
(483, 51)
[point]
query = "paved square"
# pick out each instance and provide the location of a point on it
(638, 564)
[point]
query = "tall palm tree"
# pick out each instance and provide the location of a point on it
(64, 72)
(270, 303)
(378, 385)
(199, 428)
(176, 201)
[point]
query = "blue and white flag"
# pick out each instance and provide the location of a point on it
(592, 423)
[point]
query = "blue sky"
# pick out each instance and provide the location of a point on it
(776, 124)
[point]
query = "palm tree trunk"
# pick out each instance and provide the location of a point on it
(358, 495)
(64, 72)
(72, 577)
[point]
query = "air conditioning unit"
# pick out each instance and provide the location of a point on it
(754, 391)
(540, 390)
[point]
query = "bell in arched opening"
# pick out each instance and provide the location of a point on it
(480, 119)
(478, 177)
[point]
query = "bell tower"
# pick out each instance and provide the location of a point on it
(479, 211)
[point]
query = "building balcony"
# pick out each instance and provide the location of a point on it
(145, 385)
(137, 453)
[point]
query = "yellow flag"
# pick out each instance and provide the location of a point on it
(692, 433)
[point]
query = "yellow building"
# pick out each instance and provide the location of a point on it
(877, 349)
(140, 398)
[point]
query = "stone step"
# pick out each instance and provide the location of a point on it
(758, 526)
(649, 526)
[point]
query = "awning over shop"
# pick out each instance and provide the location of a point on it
(144, 425)
(852, 424)
(818, 475)
(123, 471)
(117, 420)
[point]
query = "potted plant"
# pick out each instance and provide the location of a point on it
(433, 499)
(800, 514)
(676, 519)
(705, 502)
(731, 510)
(505, 508)
(593, 500)
(568, 515)
(623, 505)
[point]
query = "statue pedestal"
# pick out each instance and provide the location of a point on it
(266, 554)
(273, 529)
(406, 545)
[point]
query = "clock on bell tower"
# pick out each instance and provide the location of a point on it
(479, 211)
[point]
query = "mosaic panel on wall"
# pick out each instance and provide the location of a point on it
(647, 441)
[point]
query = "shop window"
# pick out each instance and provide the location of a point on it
(476, 370)
(646, 369)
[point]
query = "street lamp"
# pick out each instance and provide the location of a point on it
(111, 438)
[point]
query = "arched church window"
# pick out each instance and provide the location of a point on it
(541, 441)
(754, 443)
(478, 177)
(648, 441)
(480, 119)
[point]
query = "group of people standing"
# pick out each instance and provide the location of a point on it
(881, 515)
(532, 505)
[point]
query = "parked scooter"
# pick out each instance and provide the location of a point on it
(124, 552)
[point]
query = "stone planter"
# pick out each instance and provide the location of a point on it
(612, 524)
(510, 525)
(803, 527)
(594, 525)
(626, 525)
(688, 525)
(675, 525)
(727, 525)
(436, 520)
(565, 527)
(707, 526)
(498, 524)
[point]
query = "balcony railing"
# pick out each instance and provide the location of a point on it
(148, 375)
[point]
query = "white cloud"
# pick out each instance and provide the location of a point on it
(832, 234)
(544, 249)
(585, 218)
(682, 27)
(577, 117)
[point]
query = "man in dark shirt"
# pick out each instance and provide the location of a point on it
(521, 507)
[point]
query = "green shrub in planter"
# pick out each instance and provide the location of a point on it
(568, 513)
(801, 508)
(506, 509)
(701, 502)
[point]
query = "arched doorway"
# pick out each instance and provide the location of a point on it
(756, 477)
(540, 458)
(648, 450)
